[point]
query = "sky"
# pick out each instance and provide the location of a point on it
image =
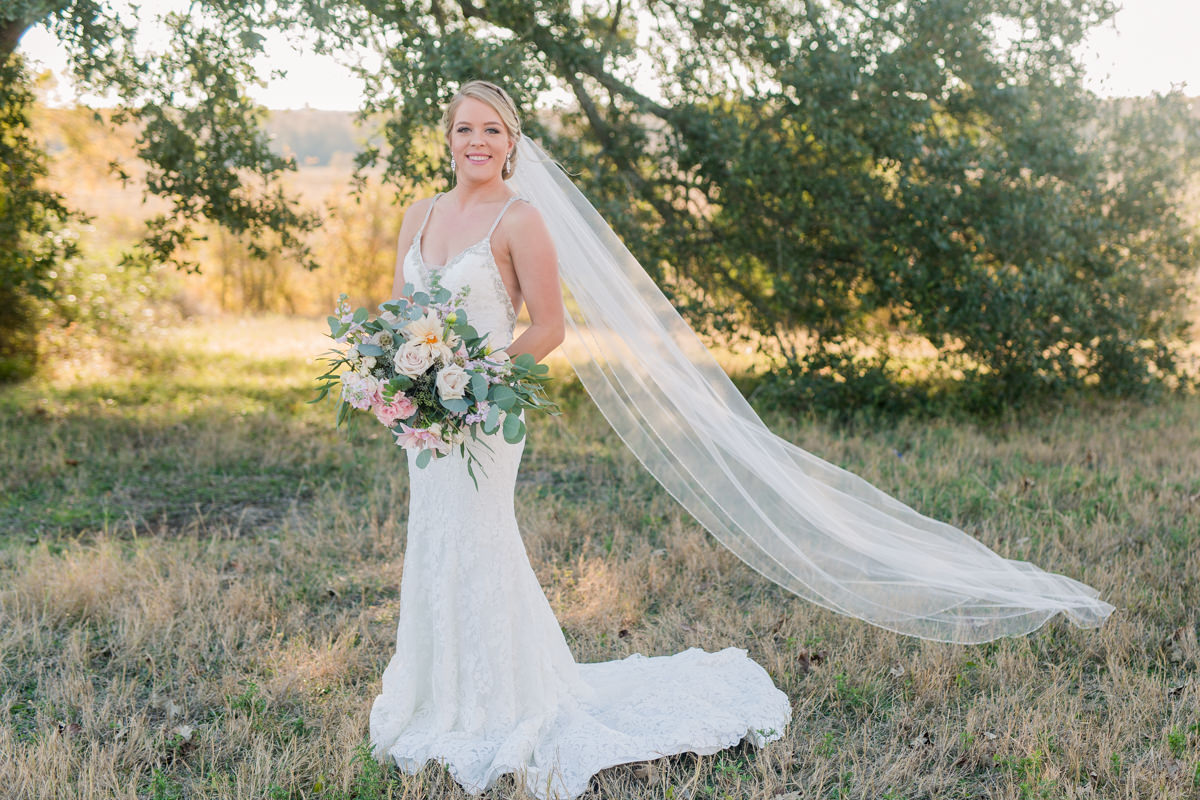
(1150, 46)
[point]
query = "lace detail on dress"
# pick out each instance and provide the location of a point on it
(482, 678)
(464, 268)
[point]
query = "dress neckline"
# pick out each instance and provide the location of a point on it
(417, 240)
(421, 257)
(426, 269)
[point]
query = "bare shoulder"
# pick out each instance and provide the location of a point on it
(526, 220)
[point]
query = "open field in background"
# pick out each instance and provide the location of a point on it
(199, 589)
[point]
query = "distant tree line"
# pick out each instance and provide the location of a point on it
(314, 137)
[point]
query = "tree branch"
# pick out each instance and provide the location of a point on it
(616, 19)
(469, 10)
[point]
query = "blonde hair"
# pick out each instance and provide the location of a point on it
(498, 99)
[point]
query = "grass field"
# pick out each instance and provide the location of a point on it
(199, 590)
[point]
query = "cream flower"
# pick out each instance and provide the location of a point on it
(427, 331)
(452, 382)
(412, 359)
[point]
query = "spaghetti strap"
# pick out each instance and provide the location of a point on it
(501, 215)
(428, 211)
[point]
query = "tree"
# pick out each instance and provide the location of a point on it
(29, 215)
(200, 137)
(815, 174)
(824, 173)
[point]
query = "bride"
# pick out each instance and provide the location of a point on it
(482, 678)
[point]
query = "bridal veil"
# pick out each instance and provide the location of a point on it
(809, 526)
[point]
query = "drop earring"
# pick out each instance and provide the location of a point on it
(453, 165)
(508, 163)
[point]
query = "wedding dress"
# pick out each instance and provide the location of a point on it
(482, 679)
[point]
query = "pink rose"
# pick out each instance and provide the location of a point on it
(399, 407)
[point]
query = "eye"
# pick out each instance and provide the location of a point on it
(463, 128)
(493, 130)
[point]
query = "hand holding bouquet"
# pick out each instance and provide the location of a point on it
(428, 376)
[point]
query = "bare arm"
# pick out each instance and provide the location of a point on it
(408, 231)
(536, 263)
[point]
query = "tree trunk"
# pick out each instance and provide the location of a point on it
(11, 32)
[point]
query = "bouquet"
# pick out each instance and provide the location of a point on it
(428, 376)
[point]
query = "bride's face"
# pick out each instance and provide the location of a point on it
(478, 141)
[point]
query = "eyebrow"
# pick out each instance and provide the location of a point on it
(464, 122)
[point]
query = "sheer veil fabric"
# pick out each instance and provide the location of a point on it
(809, 526)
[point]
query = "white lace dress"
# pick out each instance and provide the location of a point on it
(482, 678)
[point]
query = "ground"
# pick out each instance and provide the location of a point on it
(199, 589)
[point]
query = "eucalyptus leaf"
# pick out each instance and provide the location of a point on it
(423, 458)
(502, 396)
(492, 422)
(514, 428)
(479, 386)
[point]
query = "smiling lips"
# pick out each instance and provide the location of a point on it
(478, 158)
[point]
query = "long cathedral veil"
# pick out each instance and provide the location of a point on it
(809, 526)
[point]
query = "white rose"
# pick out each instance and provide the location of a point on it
(452, 382)
(412, 359)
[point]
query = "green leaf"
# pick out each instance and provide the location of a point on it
(342, 413)
(525, 361)
(399, 383)
(368, 349)
(360, 315)
(454, 404)
(423, 458)
(493, 419)
(502, 396)
(479, 386)
(514, 428)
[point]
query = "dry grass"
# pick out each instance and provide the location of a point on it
(200, 586)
